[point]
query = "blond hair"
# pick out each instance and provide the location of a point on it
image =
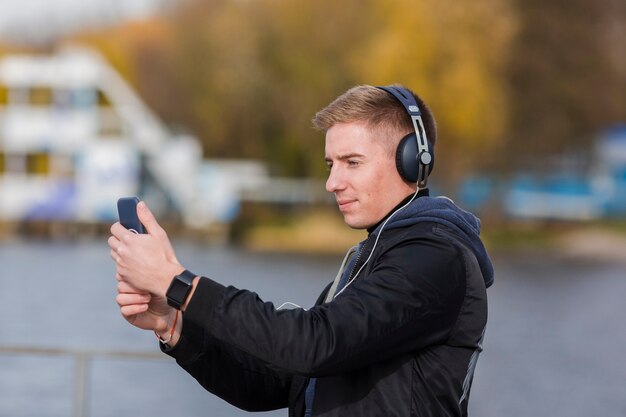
(379, 110)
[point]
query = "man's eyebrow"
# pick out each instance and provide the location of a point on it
(345, 156)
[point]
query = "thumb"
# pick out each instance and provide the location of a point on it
(147, 218)
(154, 229)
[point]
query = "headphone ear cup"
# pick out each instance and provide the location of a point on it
(406, 158)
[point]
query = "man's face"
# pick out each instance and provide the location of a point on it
(363, 175)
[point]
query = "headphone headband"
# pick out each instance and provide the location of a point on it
(404, 97)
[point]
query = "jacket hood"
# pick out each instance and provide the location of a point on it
(443, 210)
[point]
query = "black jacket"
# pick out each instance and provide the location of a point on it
(402, 340)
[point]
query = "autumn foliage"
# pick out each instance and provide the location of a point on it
(504, 78)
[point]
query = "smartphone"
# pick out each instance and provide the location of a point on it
(127, 211)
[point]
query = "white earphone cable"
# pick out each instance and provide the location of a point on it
(380, 232)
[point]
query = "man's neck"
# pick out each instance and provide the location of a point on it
(421, 193)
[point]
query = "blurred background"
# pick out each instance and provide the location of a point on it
(203, 109)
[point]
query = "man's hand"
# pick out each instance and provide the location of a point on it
(142, 309)
(145, 266)
(148, 312)
(146, 262)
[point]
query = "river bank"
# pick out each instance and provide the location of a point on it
(321, 231)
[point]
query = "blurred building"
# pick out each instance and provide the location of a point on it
(567, 188)
(74, 137)
(610, 171)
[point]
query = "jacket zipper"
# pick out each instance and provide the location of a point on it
(356, 263)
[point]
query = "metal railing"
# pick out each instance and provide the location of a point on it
(82, 359)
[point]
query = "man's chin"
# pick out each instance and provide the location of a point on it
(354, 223)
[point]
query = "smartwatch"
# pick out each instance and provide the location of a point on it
(179, 289)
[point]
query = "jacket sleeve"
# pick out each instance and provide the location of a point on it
(409, 298)
(233, 375)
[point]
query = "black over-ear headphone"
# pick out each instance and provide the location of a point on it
(414, 159)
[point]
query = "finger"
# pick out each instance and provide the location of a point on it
(124, 287)
(133, 310)
(119, 232)
(147, 219)
(113, 242)
(153, 228)
(125, 299)
(114, 256)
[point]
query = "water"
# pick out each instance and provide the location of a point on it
(62, 295)
(554, 343)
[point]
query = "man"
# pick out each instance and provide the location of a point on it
(398, 332)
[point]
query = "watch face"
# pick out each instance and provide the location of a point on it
(179, 289)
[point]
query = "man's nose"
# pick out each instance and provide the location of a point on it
(335, 181)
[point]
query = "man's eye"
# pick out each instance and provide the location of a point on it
(353, 163)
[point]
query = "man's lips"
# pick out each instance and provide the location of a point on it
(345, 204)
